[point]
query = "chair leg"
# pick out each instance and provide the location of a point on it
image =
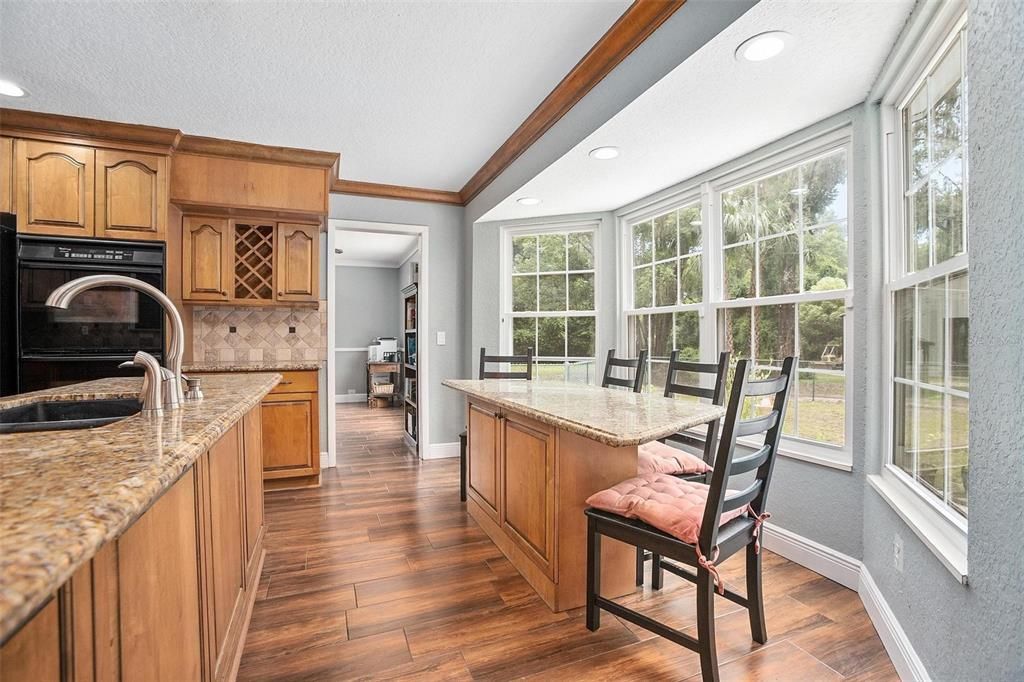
(462, 456)
(639, 566)
(656, 572)
(593, 575)
(755, 597)
(706, 626)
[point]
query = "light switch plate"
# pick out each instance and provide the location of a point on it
(440, 339)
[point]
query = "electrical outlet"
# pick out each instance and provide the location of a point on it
(441, 338)
(897, 552)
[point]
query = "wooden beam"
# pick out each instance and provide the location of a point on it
(373, 189)
(631, 29)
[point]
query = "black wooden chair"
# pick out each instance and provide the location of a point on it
(637, 364)
(715, 543)
(700, 444)
(485, 373)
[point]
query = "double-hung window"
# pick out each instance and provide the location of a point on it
(928, 284)
(550, 299)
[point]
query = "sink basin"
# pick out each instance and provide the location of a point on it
(58, 415)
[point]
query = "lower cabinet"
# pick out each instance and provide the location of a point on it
(291, 432)
(168, 599)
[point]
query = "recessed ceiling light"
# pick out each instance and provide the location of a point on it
(604, 153)
(528, 201)
(11, 89)
(762, 46)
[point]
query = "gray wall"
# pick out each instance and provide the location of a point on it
(447, 295)
(367, 305)
(976, 632)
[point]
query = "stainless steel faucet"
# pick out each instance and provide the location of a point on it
(171, 387)
(154, 381)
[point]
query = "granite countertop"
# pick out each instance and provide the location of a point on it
(610, 416)
(64, 494)
(253, 366)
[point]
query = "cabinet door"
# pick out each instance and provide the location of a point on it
(297, 261)
(54, 188)
(158, 604)
(206, 259)
(33, 652)
(483, 457)
(252, 443)
(6, 175)
(528, 488)
(291, 435)
(131, 195)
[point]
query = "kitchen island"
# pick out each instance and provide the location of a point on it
(133, 549)
(537, 450)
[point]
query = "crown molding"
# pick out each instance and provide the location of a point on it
(373, 189)
(41, 125)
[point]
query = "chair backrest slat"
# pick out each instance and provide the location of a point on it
(486, 359)
(716, 395)
(763, 459)
(637, 364)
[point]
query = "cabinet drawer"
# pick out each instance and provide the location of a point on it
(297, 382)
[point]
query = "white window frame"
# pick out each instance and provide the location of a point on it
(941, 529)
(709, 194)
(508, 232)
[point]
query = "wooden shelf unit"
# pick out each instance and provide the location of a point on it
(409, 350)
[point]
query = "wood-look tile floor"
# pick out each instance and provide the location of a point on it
(381, 574)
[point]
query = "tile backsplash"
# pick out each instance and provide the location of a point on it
(241, 334)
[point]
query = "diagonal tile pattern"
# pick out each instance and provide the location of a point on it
(260, 334)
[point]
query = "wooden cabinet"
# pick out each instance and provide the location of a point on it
(33, 653)
(483, 464)
(206, 247)
(55, 188)
(78, 191)
(131, 195)
(297, 260)
(528, 487)
(291, 434)
(6, 175)
(247, 261)
(169, 599)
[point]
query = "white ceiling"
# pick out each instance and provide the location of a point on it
(410, 93)
(373, 249)
(713, 108)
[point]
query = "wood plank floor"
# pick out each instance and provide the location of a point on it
(381, 574)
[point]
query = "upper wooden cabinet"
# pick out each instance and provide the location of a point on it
(249, 261)
(131, 195)
(297, 257)
(199, 180)
(78, 191)
(6, 175)
(55, 188)
(207, 252)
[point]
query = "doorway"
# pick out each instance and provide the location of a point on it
(377, 281)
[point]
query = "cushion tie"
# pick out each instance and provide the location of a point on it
(758, 520)
(709, 566)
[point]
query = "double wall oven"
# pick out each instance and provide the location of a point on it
(101, 329)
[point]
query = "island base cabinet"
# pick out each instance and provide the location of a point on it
(170, 599)
(527, 487)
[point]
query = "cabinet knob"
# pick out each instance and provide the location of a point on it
(280, 293)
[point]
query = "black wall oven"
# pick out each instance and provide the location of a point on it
(102, 328)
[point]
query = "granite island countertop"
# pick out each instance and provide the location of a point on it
(610, 416)
(64, 494)
(251, 366)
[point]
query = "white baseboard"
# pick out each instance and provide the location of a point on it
(895, 640)
(851, 573)
(325, 460)
(442, 450)
(823, 560)
(350, 398)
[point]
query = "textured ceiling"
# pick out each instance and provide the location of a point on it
(411, 93)
(712, 108)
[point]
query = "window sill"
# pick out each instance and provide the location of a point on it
(833, 459)
(947, 543)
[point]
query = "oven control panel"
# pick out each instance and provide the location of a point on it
(97, 254)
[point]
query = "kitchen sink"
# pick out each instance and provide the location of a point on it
(58, 415)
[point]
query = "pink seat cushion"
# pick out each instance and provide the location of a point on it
(658, 458)
(670, 504)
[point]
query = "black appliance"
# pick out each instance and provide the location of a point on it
(102, 328)
(8, 320)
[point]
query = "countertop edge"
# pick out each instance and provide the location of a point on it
(23, 608)
(605, 437)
